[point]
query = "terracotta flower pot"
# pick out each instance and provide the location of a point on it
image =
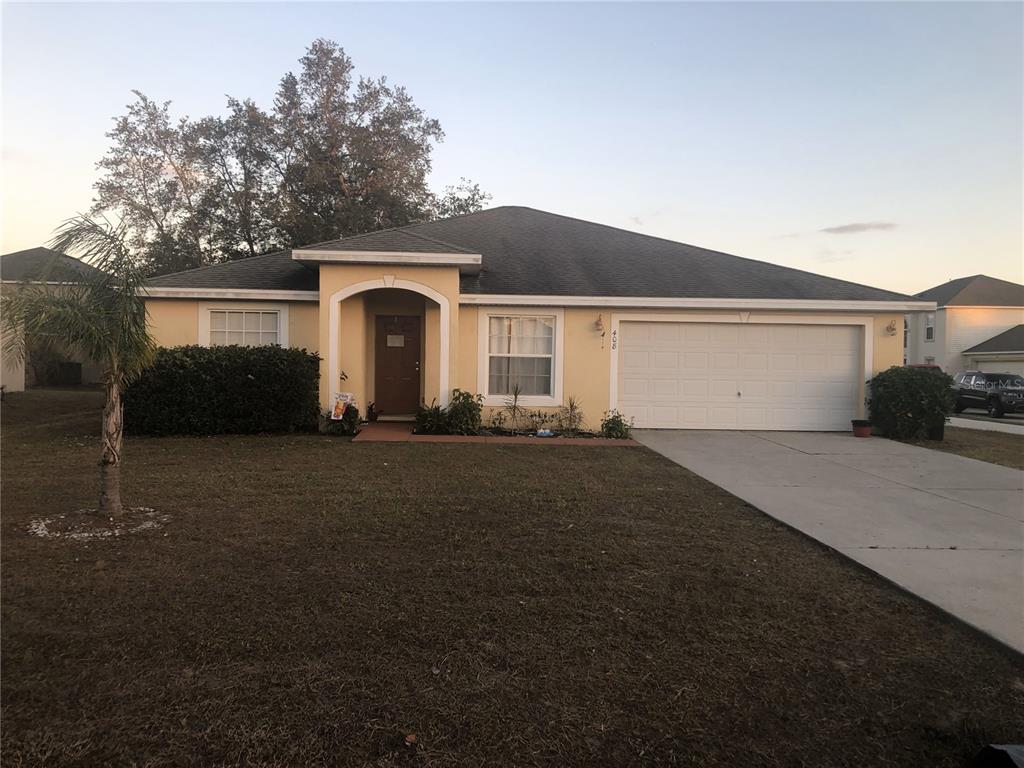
(861, 428)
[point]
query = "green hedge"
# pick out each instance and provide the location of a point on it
(910, 403)
(225, 390)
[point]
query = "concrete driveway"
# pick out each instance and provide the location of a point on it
(947, 528)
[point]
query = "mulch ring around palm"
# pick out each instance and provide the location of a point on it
(88, 524)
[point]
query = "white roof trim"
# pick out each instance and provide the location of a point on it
(659, 302)
(1009, 353)
(167, 292)
(42, 282)
(465, 261)
(982, 306)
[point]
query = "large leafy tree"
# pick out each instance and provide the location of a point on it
(104, 317)
(152, 177)
(336, 155)
(236, 153)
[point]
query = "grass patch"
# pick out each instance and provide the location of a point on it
(316, 601)
(993, 447)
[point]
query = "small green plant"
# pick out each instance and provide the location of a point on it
(498, 419)
(432, 419)
(570, 418)
(347, 425)
(910, 403)
(538, 420)
(615, 426)
(514, 410)
(464, 413)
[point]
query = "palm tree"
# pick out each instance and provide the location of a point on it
(103, 316)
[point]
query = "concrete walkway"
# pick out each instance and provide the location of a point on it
(947, 528)
(1011, 427)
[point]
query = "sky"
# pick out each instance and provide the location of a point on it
(874, 142)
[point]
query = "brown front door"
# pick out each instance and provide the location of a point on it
(397, 369)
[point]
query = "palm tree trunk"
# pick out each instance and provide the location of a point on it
(110, 459)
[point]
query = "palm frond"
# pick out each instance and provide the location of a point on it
(104, 316)
(69, 316)
(101, 243)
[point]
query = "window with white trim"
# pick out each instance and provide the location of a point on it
(246, 328)
(521, 352)
(929, 326)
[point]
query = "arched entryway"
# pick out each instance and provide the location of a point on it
(383, 334)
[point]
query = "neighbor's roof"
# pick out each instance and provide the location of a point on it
(43, 264)
(976, 291)
(530, 252)
(1007, 341)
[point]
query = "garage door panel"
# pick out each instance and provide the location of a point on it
(753, 335)
(723, 388)
(812, 362)
(666, 387)
(632, 387)
(687, 375)
(754, 362)
(782, 362)
(695, 332)
(635, 359)
(669, 360)
(695, 388)
(724, 334)
(664, 333)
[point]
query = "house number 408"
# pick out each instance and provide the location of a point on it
(615, 339)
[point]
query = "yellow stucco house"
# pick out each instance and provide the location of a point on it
(669, 334)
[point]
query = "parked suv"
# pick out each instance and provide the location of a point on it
(997, 393)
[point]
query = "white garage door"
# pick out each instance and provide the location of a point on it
(1001, 366)
(739, 376)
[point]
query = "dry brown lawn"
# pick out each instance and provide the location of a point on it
(994, 447)
(315, 601)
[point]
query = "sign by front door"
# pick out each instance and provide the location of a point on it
(397, 364)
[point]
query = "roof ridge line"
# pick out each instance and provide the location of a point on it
(404, 227)
(421, 236)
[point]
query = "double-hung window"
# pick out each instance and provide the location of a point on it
(929, 326)
(520, 352)
(247, 328)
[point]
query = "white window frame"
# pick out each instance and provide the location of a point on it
(483, 354)
(929, 325)
(206, 307)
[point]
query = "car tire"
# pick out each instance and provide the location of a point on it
(995, 409)
(958, 407)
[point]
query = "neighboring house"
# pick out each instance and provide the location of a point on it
(1000, 354)
(969, 310)
(669, 334)
(43, 265)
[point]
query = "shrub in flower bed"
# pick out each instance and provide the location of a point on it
(461, 417)
(347, 425)
(910, 403)
(197, 390)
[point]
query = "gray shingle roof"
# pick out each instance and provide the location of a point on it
(44, 264)
(976, 291)
(271, 271)
(526, 251)
(1007, 341)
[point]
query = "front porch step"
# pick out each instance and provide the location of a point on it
(384, 432)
